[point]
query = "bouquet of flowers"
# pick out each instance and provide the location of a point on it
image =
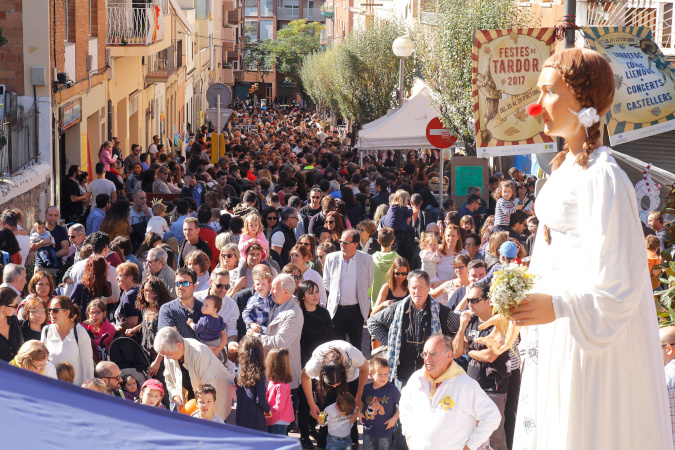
(509, 287)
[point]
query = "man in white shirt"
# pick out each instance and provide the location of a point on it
(100, 185)
(219, 284)
(442, 407)
(152, 150)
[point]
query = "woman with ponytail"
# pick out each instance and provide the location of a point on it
(592, 368)
(252, 404)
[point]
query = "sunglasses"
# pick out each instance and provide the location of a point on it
(330, 221)
(306, 244)
(230, 255)
(459, 267)
(182, 283)
(54, 310)
(346, 243)
(272, 218)
(296, 277)
(401, 274)
(73, 236)
(476, 300)
(222, 286)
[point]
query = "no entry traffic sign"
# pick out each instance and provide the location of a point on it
(438, 135)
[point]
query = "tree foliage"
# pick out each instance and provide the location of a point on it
(444, 54)
(293, 43)
(359, 77)
(258, 56)
(3, 38)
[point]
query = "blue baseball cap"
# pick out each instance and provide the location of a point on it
(509, 250)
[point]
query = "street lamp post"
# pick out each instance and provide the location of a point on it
(402, 48)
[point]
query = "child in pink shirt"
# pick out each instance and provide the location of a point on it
(279, 391)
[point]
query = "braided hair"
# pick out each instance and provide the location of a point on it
(591, 80)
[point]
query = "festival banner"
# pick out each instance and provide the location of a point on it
(644, 82)
(505, 71)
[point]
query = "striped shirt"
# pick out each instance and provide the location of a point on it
(503, 212)
(670, 385)
(258, 310)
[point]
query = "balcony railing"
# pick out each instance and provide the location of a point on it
(313, 14)
(285, 13)
(161, 65)
(135, 24)
(654, 14)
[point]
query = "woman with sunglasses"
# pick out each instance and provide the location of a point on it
(300, 256)
(10, 330)
(63, 343)
(270, 219)
(34, 316)
(294, 272)
(229, 257)
(396, 287)
(309, 242)
(335, 227)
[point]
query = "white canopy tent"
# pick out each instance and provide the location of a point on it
(402, 130)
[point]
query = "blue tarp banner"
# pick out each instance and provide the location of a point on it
(37, 412)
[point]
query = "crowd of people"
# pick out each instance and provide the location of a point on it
(284, 278)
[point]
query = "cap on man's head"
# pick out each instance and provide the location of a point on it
(509, 250)
(499, 174)
(153, 385)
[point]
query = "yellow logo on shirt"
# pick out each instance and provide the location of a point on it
(447, 403)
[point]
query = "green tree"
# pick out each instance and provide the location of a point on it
(3, 38)
(443, 51)
(293, 43)
(358, 78)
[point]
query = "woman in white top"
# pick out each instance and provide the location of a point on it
(300, 256)
(63, 345)
(451, 246)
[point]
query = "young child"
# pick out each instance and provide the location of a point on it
(65, 372)
(339, 418)
(382, 262)
(46, 253)
(157, 222)
(205, 395)
(653, 259)
(152, 393)
(130, 388)
(279, 390)
(256, 313)
(252, 405)
(430, 255)
(210, 325)
(505, 194)
(253, 229)
(379, 409)
(399, 213)
(95, 384)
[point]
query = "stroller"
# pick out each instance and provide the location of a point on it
(129, 357)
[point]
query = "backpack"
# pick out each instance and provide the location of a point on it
(95, 350)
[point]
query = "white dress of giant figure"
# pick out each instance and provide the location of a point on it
(592, 374)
